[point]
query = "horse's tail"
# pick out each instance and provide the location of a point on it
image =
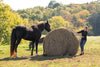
(13, 41)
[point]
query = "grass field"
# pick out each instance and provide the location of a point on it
(91, 58)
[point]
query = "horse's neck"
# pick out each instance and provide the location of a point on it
(41, 27)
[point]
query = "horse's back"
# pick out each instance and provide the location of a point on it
(20, 30)
(27, 33)
(20, 27)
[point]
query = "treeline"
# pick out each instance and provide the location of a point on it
(72, 16)
(76, 15)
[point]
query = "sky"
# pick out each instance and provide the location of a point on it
(23, 4)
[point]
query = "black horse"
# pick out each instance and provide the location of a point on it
(32, 33)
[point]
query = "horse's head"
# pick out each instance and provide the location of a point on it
(47, 26)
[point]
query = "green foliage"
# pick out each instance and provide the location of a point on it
(94, 20)
(8, 20)
(53, 4)
(58, 22)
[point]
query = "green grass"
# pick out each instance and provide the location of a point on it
(90, 59)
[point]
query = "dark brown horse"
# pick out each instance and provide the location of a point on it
(32, 33)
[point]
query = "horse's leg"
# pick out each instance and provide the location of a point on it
(18, 41)
(32, 48)
(30, 45)
(37, 47)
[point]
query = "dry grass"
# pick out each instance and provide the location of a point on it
(90, 59)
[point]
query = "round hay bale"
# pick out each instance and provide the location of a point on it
(60, 42)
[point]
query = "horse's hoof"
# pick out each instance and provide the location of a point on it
(31, 54)
(16, 56)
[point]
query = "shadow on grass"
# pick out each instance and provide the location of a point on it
(38, 58)
(28, 49)
(41, 57)
(8, 58)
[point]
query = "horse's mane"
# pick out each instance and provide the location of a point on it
(37, 25)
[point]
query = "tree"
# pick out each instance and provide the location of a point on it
(84, 14)
(94, 21)
(56, 5)
(8, 20)
(58, 22)
(52, 2)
